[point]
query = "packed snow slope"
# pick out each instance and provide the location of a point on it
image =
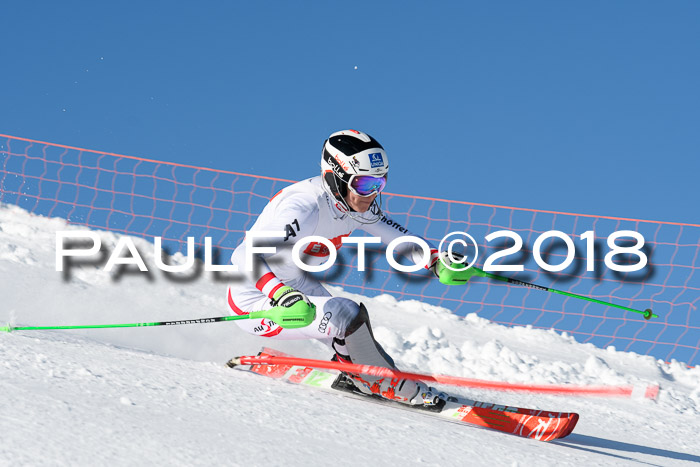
(161, 395)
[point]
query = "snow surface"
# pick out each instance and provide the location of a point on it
(162, 395)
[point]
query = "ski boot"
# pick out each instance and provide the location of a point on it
(411, 393)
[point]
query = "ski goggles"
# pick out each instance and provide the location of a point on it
(366, 185)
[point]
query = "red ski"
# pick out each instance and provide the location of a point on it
(541, 425)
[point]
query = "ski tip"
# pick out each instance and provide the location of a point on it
(234, 362)
(573, 420)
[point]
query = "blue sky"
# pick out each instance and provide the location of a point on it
(589, 107)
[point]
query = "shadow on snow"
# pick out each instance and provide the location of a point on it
(585, 442)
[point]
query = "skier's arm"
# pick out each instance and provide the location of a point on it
(388, 230)
(297, 217)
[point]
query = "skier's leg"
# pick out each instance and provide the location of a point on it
(358, 345)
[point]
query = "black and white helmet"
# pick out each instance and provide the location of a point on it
(353, 159)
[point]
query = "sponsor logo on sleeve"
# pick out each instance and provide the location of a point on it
(394, 224)
(289, 230)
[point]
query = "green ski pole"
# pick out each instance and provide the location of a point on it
(293, 317)
(461, 276)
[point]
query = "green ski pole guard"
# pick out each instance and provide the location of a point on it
(299, 315)
(459, 274)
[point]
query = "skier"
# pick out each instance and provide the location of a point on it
(344, 197)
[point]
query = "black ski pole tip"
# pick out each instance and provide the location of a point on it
(647, 313)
